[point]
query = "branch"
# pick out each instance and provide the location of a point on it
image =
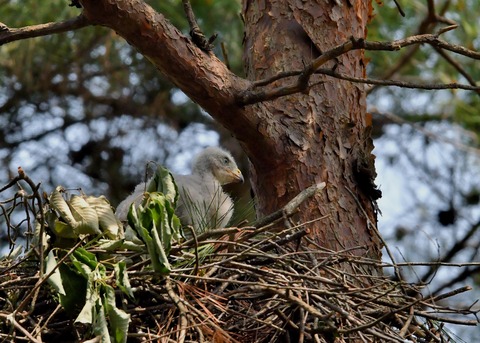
(395, 83)
(457, 66)
(454, 250)
(252, 95)
(426, 26)
(393, 118)
(201, 76)
(8, 35)
(292, 205)
(431, 39)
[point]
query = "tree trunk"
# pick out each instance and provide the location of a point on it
(321, 135)
(294, 141)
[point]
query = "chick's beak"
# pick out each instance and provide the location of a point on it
(237, 174)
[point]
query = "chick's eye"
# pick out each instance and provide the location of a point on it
(226, 160)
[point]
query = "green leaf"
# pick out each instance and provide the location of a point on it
(163, 182)
(155, 221)
(164, 266)
(131, 236)
(85, 215)
(75, 287)
(136, 222)
(100, 325)
(109, 245)
(122, 279)
(55, 280)
(118, 319)
(88, 314)
(86, 263)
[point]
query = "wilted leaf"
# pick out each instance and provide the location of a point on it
(58, 203)
(62, 229)
(109, 224)
(85, 216)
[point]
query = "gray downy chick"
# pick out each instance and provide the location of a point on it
(202, 202)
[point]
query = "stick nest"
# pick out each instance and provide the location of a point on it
(253, 284)
(260, 287)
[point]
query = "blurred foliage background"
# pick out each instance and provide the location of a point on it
(85, 110)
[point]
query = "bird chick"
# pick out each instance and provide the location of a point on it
(202, 203)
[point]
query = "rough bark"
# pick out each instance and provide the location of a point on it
(294, 141)
(323, 134)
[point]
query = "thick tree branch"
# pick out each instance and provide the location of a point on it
(205, 78)
(8, 35)
(200, 75)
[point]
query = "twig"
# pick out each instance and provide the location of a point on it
(23, 176)
(458, 246)
(374, 228)
(369, 81)
(403, 330)
(451, 293)
(431, 39)
(195, 246)
(183, 321)
(457, 66)
(397, 119)
(11, 318)
(292, 205)
(399, 8)
(292, 298)
(42, 280)
(425, 26)
(197, 35)
(225, 55)
(444, 319)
